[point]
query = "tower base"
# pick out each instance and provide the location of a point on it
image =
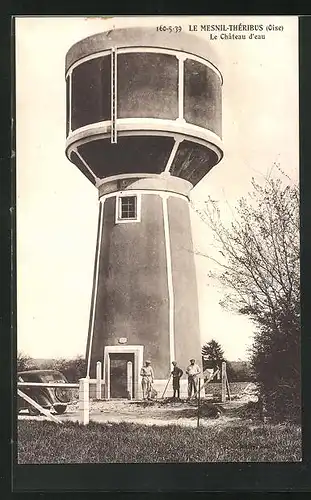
(122, 380)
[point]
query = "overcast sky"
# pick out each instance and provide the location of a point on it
(57, 206)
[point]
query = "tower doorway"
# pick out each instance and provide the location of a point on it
(122, 366)
(121, 375)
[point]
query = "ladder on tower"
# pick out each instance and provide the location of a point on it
(113, 96)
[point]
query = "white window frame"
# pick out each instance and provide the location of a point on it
(119, 197)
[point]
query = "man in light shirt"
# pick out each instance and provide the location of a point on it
(147, 378)
(193, 370)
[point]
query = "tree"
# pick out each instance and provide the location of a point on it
(259, 268)
(73, 369)
(239, 371)
(24, 362)
(212, 354)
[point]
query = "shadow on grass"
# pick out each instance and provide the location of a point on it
(183, 408)
(206, 411)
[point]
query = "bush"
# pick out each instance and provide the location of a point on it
(239, 371)
(25, 362)
(73, 369)
(276, 359)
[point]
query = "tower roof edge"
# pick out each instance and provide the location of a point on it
(142, 37)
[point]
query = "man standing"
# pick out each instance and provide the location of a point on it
(193, 371)
(147, 379)
(176, 374)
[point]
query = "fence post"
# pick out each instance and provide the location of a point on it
(198, 415)
(223, 382)
(98, 380)
(84, 402)
(262, 407)
(130, 379)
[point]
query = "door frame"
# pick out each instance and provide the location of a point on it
(138, 351)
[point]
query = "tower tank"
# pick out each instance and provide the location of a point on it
(144, 126)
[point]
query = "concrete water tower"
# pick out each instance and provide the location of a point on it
(144, 126)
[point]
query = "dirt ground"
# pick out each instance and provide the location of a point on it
(162, 412)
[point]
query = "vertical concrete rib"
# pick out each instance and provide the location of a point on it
(181, 59)
(172, 155)
(171, 304)
(96, 274)
(70, 102)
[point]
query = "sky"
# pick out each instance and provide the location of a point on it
(57, 207)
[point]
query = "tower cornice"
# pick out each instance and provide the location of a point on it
(141, 37)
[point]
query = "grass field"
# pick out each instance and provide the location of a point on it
(46, 442)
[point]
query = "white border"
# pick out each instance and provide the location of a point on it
(130, 192)
(111, 178)
(151, 126)
(119, 195)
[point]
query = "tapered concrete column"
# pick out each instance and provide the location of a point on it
(84, 400)
(98, 380)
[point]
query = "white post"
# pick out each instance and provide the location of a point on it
(84, 402)
(223, 382)
(98, 380)
(130, 379)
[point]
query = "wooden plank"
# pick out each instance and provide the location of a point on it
(166, 386)
(228, 388)
(47, 384)
(210, 379)
(38, 407)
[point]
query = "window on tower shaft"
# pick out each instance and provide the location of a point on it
(128, 208)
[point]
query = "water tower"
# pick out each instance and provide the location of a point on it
(144, 126)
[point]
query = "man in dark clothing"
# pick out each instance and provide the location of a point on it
(176, 373)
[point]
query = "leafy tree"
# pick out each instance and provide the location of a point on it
(212, 354)
(73, 369)
(259, 267)
(239, 371)
(24, 362)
